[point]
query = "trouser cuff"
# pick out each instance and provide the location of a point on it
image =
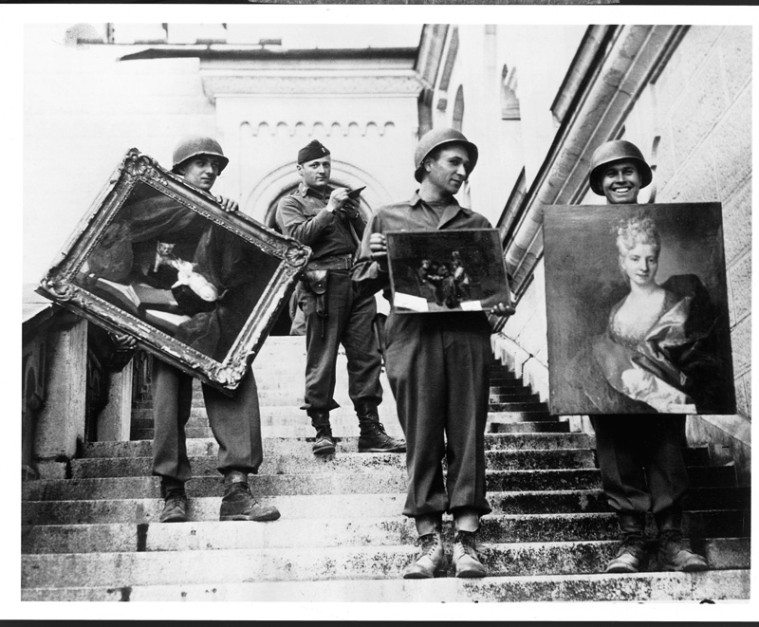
(466, 520)
(429, 523)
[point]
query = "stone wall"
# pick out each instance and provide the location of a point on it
(704, 97)
(697, 113)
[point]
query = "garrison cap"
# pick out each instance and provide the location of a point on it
(313, 150)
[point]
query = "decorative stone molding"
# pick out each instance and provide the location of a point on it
(235, 84)
(321, 129)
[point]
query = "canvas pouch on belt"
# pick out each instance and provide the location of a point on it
(315, 281)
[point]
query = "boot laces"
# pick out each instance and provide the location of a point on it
(429, 543)
(468, 542)
(175, 494)
(631, 543)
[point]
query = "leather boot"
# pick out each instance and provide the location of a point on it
(238, 503)
(373, 438)
(431, 556)
(673, 553)
(324, 444)
(631, 555)
(465, 559)
(175, 501)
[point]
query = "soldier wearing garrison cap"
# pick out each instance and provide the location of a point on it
(437, 365)
(326, 219)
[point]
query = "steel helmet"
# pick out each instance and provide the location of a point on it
(194, 146)
(617, 150)
(436, 138)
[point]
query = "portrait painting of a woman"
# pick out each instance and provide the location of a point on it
(658, 351)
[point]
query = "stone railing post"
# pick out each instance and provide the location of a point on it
(60, 422)
(114, 421)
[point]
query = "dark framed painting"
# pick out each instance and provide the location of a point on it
(637, 310)
(158, 259)
(446, 271)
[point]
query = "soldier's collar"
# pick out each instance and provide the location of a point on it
(416, 201)
(304, 190)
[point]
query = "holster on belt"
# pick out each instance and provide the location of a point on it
(315, 282)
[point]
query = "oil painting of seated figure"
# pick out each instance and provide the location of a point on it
(175, 269)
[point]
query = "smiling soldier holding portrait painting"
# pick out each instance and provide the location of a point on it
(655, 326)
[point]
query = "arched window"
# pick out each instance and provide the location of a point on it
(458, 109)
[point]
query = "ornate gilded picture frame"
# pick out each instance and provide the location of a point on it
(637, 309)
(158, 259)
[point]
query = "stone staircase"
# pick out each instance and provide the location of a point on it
(341, 536)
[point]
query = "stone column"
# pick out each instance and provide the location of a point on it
(60, 422)
(114, 422)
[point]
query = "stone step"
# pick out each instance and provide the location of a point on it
(354, 506)
(342, 422)
(391, 480)
(496, 416)
(653, 586)
(294, 446)
(345, 462)
(314, 532)
(513, 397)
(340, 482)
(526, 408)
(534, 426)
(314, 563)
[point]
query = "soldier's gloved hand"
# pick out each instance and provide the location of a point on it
(227, 204)
(337, 199)
(502, 309)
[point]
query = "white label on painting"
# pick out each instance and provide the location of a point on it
(471, 305)
(676, 408)
(407, 301)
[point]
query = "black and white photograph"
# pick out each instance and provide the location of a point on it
(648, 313)
(443, 272)
(345, 313)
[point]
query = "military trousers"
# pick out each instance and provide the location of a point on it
(437, 368)
(641, 461)
(349, 321)
(235, 423)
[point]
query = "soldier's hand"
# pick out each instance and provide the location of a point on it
(122, 341)
(337, 199)
(378, 246)
(227, 204)
(502, 309)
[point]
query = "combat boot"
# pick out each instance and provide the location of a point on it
(175, 502)
(465, 559)
(430, 558)
(372, 438)
(238, 502)
(324, 443)
(673, 555)
(631, 555)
